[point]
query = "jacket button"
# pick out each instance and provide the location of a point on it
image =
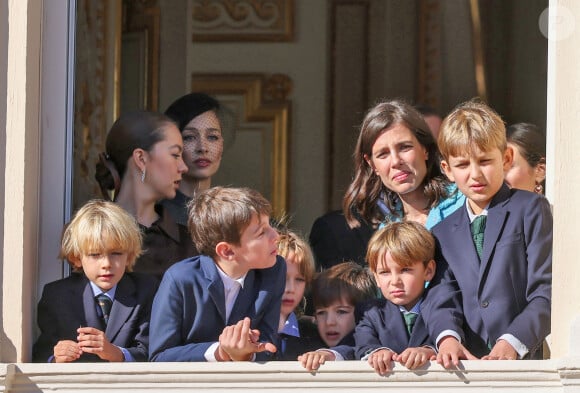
(484, 304)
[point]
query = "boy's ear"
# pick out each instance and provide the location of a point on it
(430, 270)
(508, 158)
(447, 170)
(224, 250)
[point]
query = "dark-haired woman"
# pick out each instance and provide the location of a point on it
(397, 173)
(143, 165)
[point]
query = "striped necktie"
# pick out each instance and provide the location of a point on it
(477, 232)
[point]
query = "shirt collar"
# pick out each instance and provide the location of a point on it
(230, 282)
(97, 291)
(472, 215)
(415, 310)
(290, 327)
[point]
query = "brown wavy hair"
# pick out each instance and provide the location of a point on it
(360, 199)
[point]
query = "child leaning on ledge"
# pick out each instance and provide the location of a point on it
(400, 256)
(498, 247)
(101, 243)
(222, 305)
(339, 294)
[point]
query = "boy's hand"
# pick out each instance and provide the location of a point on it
(502, 350)
(66, 351)
(93, 340)
(240, 342)
(415, 357)
(312, 361)
(450, 351)
(381, 360)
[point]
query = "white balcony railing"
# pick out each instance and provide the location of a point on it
(556, 375)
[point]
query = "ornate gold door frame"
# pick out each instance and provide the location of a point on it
(260, 106)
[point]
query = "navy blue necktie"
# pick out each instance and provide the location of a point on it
(105, 303)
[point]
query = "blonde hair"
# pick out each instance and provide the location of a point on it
(221, 214)
(348, 280)
(471, 124)
(408, 242)
(291, 243)
(100, 226)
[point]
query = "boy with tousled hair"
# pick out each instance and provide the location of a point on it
(223, 305)
(101, 243)
(339, 294)
(498, 247)
(400, 256)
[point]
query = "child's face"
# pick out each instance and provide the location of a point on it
(104, 268)
(335, 322)
(479, 175)
(258, 248)
(399, 160)
(403, 285)
(295, 286)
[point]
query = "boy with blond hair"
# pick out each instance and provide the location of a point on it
(498, 247)
(400, 256)
(223, 305)
(101, 312)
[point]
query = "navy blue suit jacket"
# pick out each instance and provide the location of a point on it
(509, 292)
(384, 326)
(69, 303)
(189, 309)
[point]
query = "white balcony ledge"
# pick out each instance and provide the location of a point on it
(556, 375)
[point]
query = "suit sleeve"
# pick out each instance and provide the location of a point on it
(442, 308)
(167, 340)
(268, 326)
(365, 335)
(46, 317)
(532, 325)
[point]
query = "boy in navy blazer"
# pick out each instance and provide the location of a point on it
(223, 305)
(498, 246)
(101, 243)
(400, 256)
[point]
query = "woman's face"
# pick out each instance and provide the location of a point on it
(399, 160)
(520, 175)
(165, 165)
(203, 146)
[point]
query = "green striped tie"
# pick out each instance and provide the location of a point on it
(477, 231)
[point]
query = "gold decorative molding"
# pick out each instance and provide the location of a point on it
(429, 67)
(94, 96)
(478, 56)
(243, 20)
(271, 108)
(141, 19)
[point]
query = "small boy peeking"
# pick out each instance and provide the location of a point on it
(223, 305)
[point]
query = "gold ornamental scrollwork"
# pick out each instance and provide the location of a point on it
(243, 20)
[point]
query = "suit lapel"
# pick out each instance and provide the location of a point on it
(90, 307)
(461, 231)
(244, 300)
(396, 327)
(496, 216)
(215, 285)
(123, 306)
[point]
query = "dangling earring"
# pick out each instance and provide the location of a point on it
(427, 284)
(539, 189)
(143, 175)
(301, 309)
